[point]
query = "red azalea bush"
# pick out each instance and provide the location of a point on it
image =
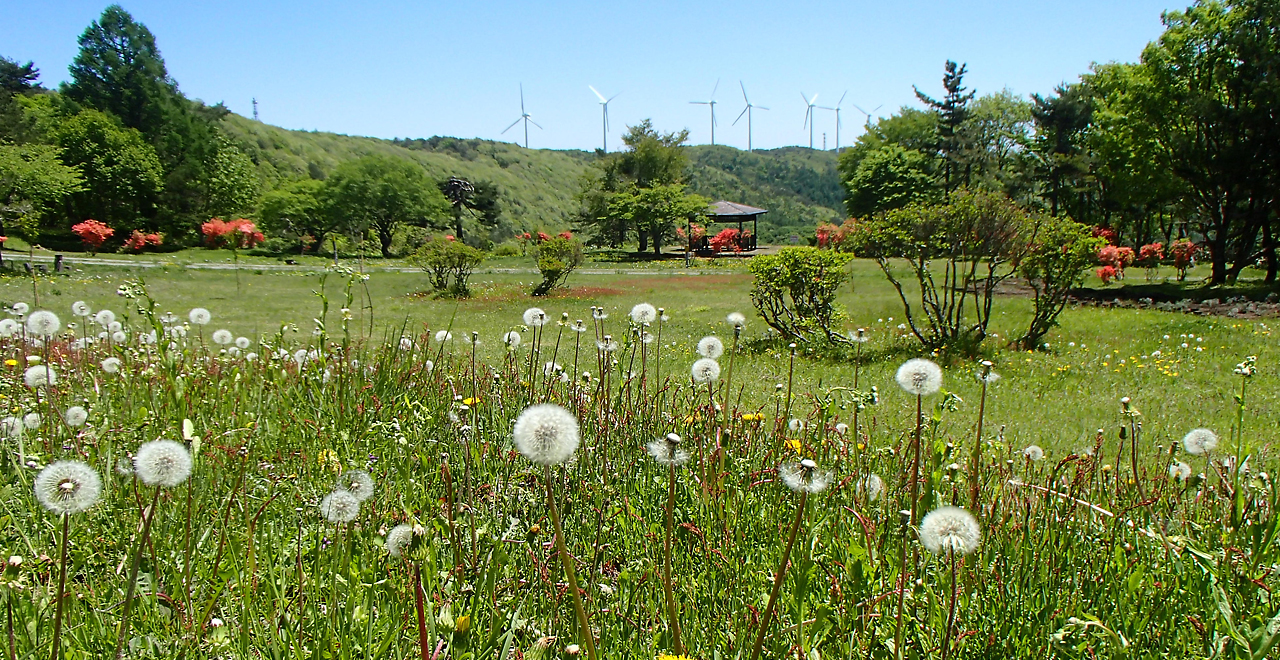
(1107, 273)
(1118, 258)
(828, 234)
(139, 241)
(726, 239)
(1105, 233)
(236, 234)
(543, 237)
(1150, 255)
(566, 235)
(92, 233)
(1184, 255)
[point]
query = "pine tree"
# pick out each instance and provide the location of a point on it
(952, 112)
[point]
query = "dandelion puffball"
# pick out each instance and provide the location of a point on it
(223, 337)
(1200, 441)
(667, 451)
(43, 324)
(534, 317)
(398, 539)
(546, 434)
(920, 377)
(199, 316)
(80, 308)
(710, 347)
(705, 370)
(1180, 471)
(111, 365)
(8, 327)
(68, 487)
(950, 529)
(443, 336)
(31, 421)
(104, 317)
(119, 336)
(736, 319)
(358, 483)
(1033, 453)
(12, 427)
(162, 463)
(340, 506)
(21, 308)
(804, 477)
(75, 416)
(243, 343)
(871, 487)
(512, 339)
(40, 375)
(644, 313)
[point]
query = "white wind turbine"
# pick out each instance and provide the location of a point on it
(712, 103)
(747, 111)
(867, 114)
(604, 103)
(808, 114)
(837, 111)
(524, 117)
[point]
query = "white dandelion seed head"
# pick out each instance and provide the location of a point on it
(842, 429)
(551, 368)
(667, 451)
(43, 324)
(546, 434)
(223, 337)
(31, 420)
(104, 317)
(578, 326)
(804, 477)
(919, 376)
(358, 483)
(339, 507)
(647, 337)
(710, 347)
(950, 529)
(68, 487)
(598, 313)
(1180, 471)
(243, 343)
(1200, 441)
(871, 487)
(119, 337)
(162, 463)
(75, 416)
(8, 327)
(859, 336)
(736, 319)
(534, 317)
(111, 365)
(250, 356)
(12, 427)
(406, 344)
(607, 345)
(795, 425)
(1033, 453)
(199, 316)
(429, 365)
(81, 308)
(443, 336)
(20, 308)
(399, 539)
(147, 338)
(114, 326)
(705, 370)
(644, 313)
(511, 339)
(40, 375)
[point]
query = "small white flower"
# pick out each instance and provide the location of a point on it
(75, 416)
(43, 324)
(31, 421)
(339, 507)
(859, 336)
(950, 529)
(546, 434)
(736, 319)
(1180, 471)
(1200, 441)
(222, 337)
(705, 370)
(511, 339)
(21, 308)
(1033, 453)
(162, 463)
(114, 326)
(40, 375)
(871, 487)
(710, 347)
(399, 539)
(111, 365)
(358, 483)
(199, 316)
(443, 336)
(104, 317)
(119, 337)
(643, 313)
(919, 376)
(80, 308)
(67, 487)
(11, 427)
(243, 343)
(8, 327)
(578, 326)
(534, 317)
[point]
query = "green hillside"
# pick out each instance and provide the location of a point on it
(799, 186)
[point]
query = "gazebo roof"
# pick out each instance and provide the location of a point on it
(728, 210)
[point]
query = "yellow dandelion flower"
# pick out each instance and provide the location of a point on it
(795, 445)
(11, 362)
(664, 656)
(470, 401)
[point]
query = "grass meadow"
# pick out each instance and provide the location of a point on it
(1111, 541)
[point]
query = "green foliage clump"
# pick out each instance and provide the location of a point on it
(382, 193)
(887, 178)
(450, 263)
(1060, 253)
(557, 258)
(958, 251)
(33, 182)
(795, 291)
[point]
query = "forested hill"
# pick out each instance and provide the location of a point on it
(799, 186)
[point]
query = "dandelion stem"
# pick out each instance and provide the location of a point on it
(567, 562)
(672, 617)
(779, 577)
(951, 613)
(419, 598)
(976, 461)
(58, 598)
(147, 516)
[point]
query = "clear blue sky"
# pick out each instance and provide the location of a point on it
(416, 69)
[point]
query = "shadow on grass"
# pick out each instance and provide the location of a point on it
(1175, 291)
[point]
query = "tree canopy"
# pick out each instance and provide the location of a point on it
(381, 194)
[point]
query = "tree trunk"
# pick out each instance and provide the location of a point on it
(1269, 251)
(457, 226)
(644, 240)
(384, 238)
(657, 244)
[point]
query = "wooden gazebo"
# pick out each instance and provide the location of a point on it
(725, 211)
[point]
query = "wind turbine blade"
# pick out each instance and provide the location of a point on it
(744, 111)
(805, 97)
(813, 100)
(531, 121)
(700, 102)
(597, 93)
(807, 112)
(713, 89)
(861, 110)
(759, 107)
(878, 107)
(744, 92)
(522, 98)
(611, 98)
(512, 125)
(846, 93)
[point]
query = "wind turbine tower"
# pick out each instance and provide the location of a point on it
(604, 103)
(525, 117)
(837, 111)
(747, 111)
(808, 114)
(711, 102)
